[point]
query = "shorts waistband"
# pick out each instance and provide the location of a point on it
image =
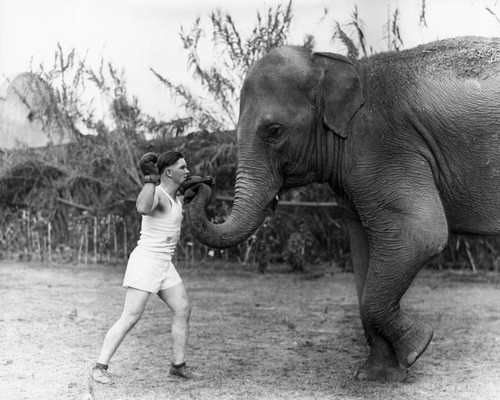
(159, 255)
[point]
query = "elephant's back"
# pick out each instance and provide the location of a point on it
(467, 57)
(435, 77)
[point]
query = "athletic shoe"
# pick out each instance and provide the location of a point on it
(100, 375)
(183, 372)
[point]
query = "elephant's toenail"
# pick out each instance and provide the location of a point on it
(412, 357)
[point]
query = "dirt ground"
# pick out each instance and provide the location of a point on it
(272, 336)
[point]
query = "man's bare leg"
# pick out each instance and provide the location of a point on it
(177, 299)
(135, 303)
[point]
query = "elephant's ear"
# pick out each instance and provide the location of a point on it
(341, 91)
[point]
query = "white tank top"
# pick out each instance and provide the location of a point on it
(161, 232)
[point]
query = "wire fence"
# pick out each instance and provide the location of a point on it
(299, 234)
(87, 238)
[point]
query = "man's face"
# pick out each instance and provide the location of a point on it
(179, 171)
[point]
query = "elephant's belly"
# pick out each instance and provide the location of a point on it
(475, 216)
(470, 193)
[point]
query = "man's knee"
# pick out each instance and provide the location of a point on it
(183, 310)
(129, 320)
(186, 309)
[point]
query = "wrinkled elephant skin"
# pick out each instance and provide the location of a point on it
(409, 142)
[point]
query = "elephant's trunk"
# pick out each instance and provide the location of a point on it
(250, 208)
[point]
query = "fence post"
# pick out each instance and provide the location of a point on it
(86, 243)
(95, 240)
(115, 239)
(49, 241)
(125, 250)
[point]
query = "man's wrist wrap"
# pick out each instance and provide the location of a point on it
(152, 179)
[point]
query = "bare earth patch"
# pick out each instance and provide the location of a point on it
(271, 336)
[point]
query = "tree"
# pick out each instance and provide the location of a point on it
(222, 80)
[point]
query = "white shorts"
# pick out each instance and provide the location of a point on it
(150, 271)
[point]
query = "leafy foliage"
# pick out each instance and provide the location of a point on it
(352, 48)
(77, 200)
(234, 55)
(393, 34)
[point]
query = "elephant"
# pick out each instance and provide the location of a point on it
(408, 141)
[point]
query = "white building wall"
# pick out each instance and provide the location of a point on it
(24, 101)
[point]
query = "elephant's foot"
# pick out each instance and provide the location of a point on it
(412, 344)
(384, 370)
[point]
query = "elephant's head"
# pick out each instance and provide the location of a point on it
(293, 104)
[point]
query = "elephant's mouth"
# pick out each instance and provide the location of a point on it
(272, 206)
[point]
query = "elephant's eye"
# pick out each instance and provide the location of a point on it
(274, 130)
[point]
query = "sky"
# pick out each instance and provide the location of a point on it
(136, 35)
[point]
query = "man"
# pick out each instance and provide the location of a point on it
(150, 268)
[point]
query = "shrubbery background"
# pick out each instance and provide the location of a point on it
(76, 202)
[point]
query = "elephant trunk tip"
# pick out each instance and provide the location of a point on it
(241, 223)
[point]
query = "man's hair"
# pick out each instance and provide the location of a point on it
(167, 159)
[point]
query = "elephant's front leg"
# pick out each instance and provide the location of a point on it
(406, 234)
(382, 363)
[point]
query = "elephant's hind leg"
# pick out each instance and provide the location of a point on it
(382, 363)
